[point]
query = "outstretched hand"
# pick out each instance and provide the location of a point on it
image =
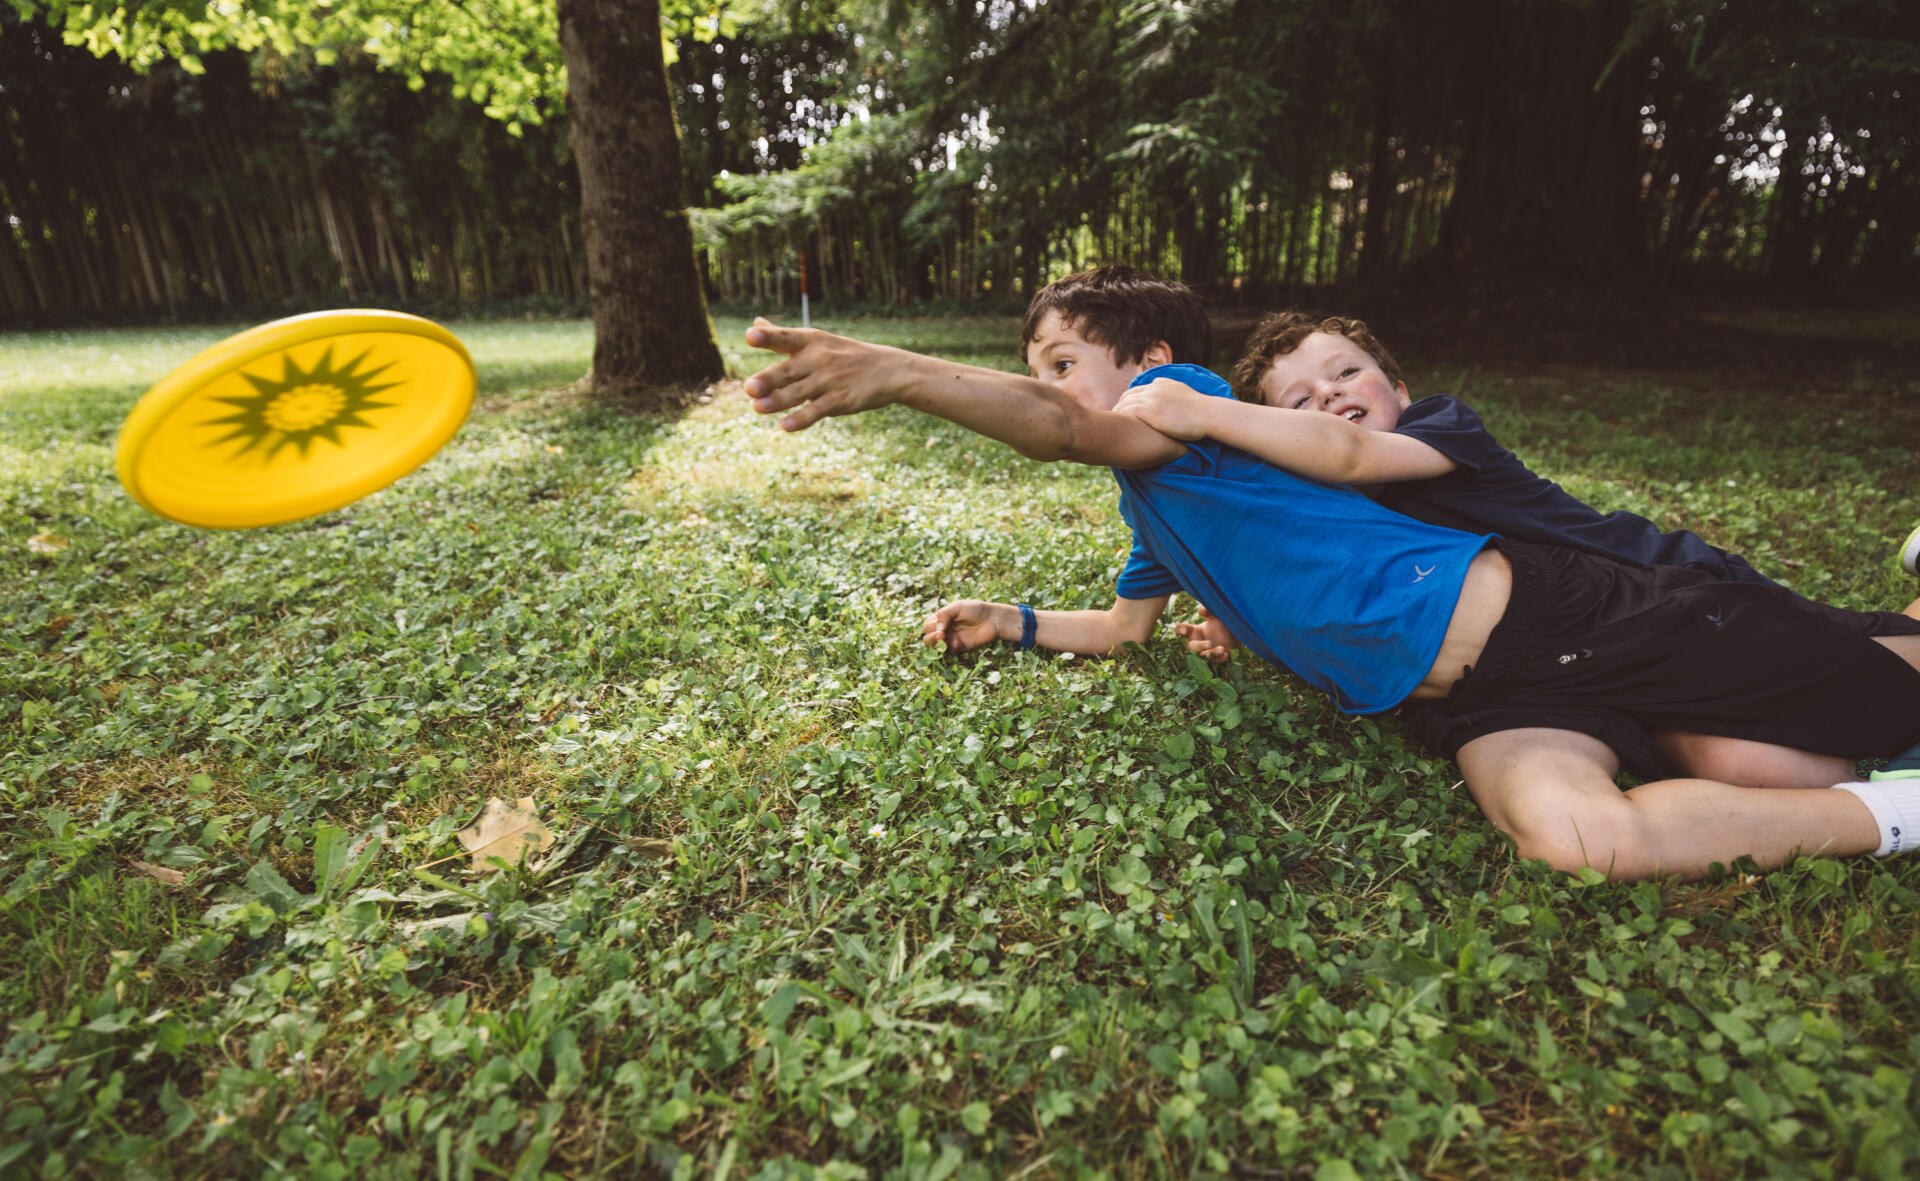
(824, 375)
(1208, 638)
(962, 626)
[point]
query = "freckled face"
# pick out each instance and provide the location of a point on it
(1060, 356)
(1330, 373)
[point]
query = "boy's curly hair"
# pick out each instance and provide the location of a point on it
(1282, 332)
(1125, 310)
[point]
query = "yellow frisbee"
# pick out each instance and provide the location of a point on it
(295, 418)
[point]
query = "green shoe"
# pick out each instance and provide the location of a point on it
(1904, 766)
(1910, 554)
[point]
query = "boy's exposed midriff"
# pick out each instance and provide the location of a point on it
(1483, 601)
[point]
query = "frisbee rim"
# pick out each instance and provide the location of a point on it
(263, 340)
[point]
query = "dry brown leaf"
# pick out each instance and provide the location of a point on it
(506, 831)
(653, 847)
(161, 874)
(46, 543)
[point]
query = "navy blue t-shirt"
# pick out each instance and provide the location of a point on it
(1493, 492)
(1353, 598)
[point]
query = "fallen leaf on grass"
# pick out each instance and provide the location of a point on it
(46, 543)
(652, 847)
(506, 831)
(160, 873)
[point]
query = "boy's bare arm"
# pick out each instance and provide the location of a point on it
(970, 623)
(826, 375)
(1305, 442)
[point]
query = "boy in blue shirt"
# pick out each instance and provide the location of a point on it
(1434, 461)
(1379, 609)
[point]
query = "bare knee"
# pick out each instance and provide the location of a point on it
(1553, 792)
(1605, 834)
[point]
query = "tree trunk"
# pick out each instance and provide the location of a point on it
(1547, 179)
(650, 326)
(1790, 234)
(1381, 180)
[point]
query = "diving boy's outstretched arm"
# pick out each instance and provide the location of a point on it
(826, 375)
(970, 623)
(1307, 443)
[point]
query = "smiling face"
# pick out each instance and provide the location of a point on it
(1058, 355)
(1330, 373)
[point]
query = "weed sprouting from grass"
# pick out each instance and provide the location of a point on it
(822, 902)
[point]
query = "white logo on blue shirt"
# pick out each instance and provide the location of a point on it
(1422, 574)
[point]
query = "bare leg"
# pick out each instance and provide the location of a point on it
(1759, 764)
(1906, 648)
(1748, 763)
(1552, 791)
(1913, 609)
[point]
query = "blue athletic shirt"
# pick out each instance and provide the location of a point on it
(1352, 598)
(1493, 490)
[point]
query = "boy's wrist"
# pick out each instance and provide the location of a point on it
(1213, 415)
(1007, 623)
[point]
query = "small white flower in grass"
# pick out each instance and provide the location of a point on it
(876, 831)
(1057, 1053)
(221, 1119)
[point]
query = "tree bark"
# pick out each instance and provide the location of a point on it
(1790, 233)
(1547, 179)
(1381, 180)
(650, 325)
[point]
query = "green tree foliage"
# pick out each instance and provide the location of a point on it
(1816, 98)
(503, 54)
(1274, 143)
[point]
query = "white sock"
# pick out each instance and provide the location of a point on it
(1895, 804)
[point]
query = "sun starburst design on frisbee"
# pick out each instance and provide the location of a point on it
(301, 406)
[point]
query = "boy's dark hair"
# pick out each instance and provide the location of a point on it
(1282, 332)
(1125, 310)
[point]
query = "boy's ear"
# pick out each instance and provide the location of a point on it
(1158, 353)
(1406, 399)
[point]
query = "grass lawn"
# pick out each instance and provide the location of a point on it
(822, 903)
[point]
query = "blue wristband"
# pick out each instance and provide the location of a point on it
(1028, 626)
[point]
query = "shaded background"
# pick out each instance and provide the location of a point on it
(969, 151)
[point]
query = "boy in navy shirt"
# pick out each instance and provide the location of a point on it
(1434, 461)
(1379, 609)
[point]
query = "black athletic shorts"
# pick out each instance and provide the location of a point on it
(1617, 650)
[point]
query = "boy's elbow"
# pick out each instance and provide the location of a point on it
(1044, 450)
(1352, 464)
(1129, 633)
